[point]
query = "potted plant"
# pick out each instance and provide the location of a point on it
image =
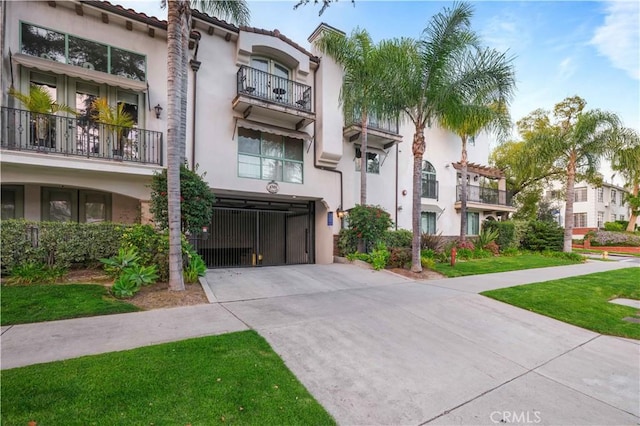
(40, 103)
(117, 121)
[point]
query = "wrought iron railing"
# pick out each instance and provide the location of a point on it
(262, 85)
(388, 125)
(79, 136)
(430, 189)
(484, 195)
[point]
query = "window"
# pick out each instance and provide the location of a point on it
(579, 220)
(373, 162)
(613, 217)
(271, 157)
(61, 47)
(429, 182)
(580, 195)
(614, 196)
(600, 192)
(600, 219)
(276, 83)
(72, 205)
(621, 217)
(428, 222)
(12, 202)
(473, 223)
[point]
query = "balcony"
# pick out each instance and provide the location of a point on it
(430, 189)
(22, 130)
(486, 198)
(261, 93)
(380, 133)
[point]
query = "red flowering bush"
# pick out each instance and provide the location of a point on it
(368, 223)
(465, 245)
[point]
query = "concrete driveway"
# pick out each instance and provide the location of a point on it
(375, 348)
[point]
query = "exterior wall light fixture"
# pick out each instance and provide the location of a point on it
(158, 110)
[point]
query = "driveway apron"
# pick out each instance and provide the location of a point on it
(376, 348)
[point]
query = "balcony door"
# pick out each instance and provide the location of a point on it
(274, 86)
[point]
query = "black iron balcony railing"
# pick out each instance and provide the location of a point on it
(262, 85)
(80, 136)
(389, 125)
(430, 189)
(481, 194)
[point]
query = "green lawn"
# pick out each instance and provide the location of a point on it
(234, 378)
(500, 264)
(599, 252)
(582, 300)
(37, 303)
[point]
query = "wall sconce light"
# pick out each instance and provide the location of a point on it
(404, 192)
(475, 178)
(340, 212)
(158, 110)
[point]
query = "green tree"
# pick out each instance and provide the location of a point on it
(363, 84)
(196, 200)
(625, 160)
(575, 141)
(178, 33)
(469, 119)
(437, 73)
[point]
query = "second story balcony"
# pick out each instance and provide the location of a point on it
(382, 133)
(260, 92)
(487, 198)
(22, 130)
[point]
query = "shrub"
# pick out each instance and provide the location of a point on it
(144, 238)
(493, 248)
(543, 236)
(347, 242)
(468, 245)
(369, 223)
(196, 200)
(114, 266)
(358, 256)
(433, 242)
(35, 273)
(520, 229)
(379, 257)
(485, 237)
(511, 251)
(562, 255)
(399, 257)
(124, 287)
(614, 227)
(428, 253)
(398, 238)
(480, 253)
(427, 263)
(194, 267)
(141, 275)
(506, 237)
(465, 253)
(606, 238)
(60, 244)
(444, 256)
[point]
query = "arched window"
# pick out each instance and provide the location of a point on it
(429, 182)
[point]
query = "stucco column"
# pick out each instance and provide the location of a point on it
(502, 191)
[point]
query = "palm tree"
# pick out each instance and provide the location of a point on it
(362, 93)
(576, 141)
(467, 121)
(436, 74)
(626, 161)
(40, 103)
(116, 119)
(178, 28)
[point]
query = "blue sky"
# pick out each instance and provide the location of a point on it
(561, 48)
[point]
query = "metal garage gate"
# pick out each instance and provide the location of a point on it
(258, 234)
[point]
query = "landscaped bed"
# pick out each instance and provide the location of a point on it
(501, 264)
(582, 300)
(234, 378)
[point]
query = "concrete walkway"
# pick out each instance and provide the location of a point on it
(376, 348)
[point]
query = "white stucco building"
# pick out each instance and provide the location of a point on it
(263, 121)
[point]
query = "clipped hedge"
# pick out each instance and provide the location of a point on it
(506, 233)
(541, 236)
(619, 239)
(398, 238)
(61, 244)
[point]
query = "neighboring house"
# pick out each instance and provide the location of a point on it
(592, 206)
(264, 122)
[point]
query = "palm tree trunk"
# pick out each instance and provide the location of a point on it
(174, 55)
(463, 190)
(418, 152)
(633, 217)
(568, 211)
(184, 67)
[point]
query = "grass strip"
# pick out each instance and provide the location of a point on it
(234, 378)
(490, 265)
(582, 300)
(37, 303)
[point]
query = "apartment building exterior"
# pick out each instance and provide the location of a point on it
(592, 205)
(264, 123)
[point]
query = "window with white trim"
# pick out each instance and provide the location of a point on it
(270, 157)
(600, 219)
(473, 223)
(600, 192)
(580, 195)
(579, 220)
(12, 202)
(614, 196)
(428, 223)
(373, 161)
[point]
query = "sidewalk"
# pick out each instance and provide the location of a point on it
(28, 344)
